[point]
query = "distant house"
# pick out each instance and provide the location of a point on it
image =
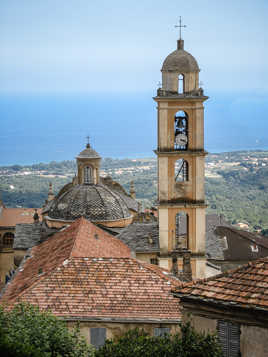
(235, 305)
(9, 218)
(233, 247)
(84, 274)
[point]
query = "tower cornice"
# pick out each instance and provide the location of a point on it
(180, 153)
(180, 98)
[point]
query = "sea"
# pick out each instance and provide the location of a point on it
(53, 127)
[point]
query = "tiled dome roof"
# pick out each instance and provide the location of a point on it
(180, 61)
(97, 203)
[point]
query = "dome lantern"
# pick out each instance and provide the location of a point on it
(88, 164)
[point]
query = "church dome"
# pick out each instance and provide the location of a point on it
(180, 61)
(96, 203)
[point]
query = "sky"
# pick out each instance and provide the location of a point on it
(102, 46)
(72, 68)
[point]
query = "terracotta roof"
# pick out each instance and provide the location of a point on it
(12, 216)
(246, 286)
(91, 278)
(81, 239)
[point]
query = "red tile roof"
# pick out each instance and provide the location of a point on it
(246, 286)
(76, 275)
(9, 217)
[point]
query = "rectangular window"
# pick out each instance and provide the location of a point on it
(97, 336)
(161, 331)
(229, 338)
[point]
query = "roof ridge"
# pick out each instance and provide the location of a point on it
(153, 268)
(79, 222)
(47, 272)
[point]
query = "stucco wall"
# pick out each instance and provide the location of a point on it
(114, 329)
(201, 324)
(254, 341)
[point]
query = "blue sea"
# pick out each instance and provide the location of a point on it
(53, 127)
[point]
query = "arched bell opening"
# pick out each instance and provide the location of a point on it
(181, 170)
(88, 175)
(181, 84)
(8, 239)
(181, 131)
(182, 230)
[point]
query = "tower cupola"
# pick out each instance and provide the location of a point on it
(180, 71)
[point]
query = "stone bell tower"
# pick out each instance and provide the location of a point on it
(181, 160)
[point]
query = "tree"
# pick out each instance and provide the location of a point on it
(25, 331)
(137, 343)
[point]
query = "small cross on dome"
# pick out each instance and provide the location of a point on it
(87, 137)
(180, 26)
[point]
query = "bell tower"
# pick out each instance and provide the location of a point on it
(181, 161)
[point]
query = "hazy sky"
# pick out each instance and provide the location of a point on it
(119, 46)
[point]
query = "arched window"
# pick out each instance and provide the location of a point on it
(181, 84)
(8, 239)
(181, 170)
(182, 230)
(181, 131)
(88, 174)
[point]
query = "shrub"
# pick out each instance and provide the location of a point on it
(138, 343)
(25, 331)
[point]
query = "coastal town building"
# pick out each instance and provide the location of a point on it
(83, 274)
(233, 304)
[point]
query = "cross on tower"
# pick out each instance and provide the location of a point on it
(87, 137)
(180, 26)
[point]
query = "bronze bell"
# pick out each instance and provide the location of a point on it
(180, 123)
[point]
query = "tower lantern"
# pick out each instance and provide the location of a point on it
(88, 165)
(181, 161)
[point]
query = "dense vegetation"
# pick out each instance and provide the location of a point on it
(236, 183)
(137, 343)
(27, 332)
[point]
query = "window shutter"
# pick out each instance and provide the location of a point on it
(229, 337)
(97, 336)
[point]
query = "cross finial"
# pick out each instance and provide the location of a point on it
(180, 26)
(87, 137)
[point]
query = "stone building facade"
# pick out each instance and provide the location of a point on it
(233, 304)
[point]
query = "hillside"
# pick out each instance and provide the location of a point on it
(236, 183)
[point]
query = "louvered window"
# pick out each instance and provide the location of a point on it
(229, 338)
